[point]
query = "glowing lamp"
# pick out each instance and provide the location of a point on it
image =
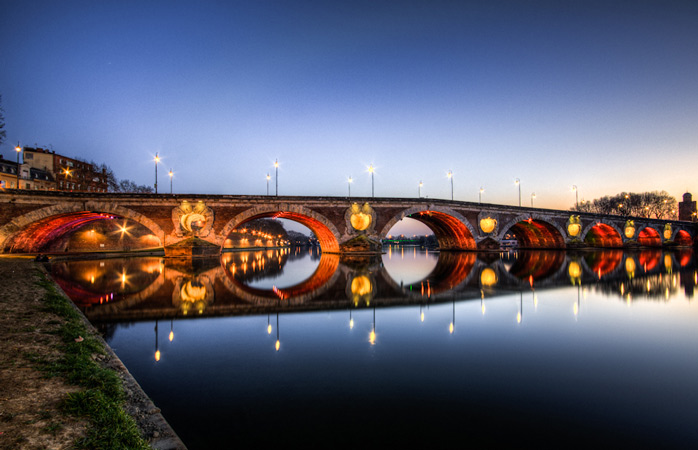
(574, 226)
(171, 336)
(360, 217)
(488, 277)
(488, 224)
(361, 286)
(629, 229)
(277, 345)
(157, 355)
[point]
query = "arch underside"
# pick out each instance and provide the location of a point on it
(649, 236)
(451, 233)
(537, 234)
(326, 238)
(603, 235)
(38, 236)
(683, 238)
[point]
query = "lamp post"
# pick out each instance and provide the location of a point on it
(157, 160)
(533, 195)
(19, 150)
(268, 178)
(450, 177)
(349, 181)
(371, 170)
(171, 173)
(276, 176)
(419, 191)
(481, 191)
(576, 196)
(518, 183)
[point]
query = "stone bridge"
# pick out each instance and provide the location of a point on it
(184, 224)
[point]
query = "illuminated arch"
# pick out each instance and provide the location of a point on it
(683, 238)
(602, 234)
(324, 230)
(451, 272)
(32, 231)
(534, 231)
(649, 236)
(452, 230)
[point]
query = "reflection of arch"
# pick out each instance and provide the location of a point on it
(452, 230)
(32, 231)
(324, 230)
(649, 260)
(601, 234)
(533, 231)
(603, 262)
(450, 272)
(321, 280)
(537, 265)
(649, 236)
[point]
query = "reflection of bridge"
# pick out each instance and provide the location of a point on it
(29, 220)
(159, 289)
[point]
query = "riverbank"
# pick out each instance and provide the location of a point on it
(61, 386)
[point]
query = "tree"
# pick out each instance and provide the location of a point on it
(655, 204)
(130, 186)
(3, 132)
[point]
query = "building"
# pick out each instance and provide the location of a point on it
(30, 178)
(69, 174)
(687, 208)
(8, 173)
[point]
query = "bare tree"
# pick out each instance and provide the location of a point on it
(659, 205)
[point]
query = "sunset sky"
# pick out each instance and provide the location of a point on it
(602, 95)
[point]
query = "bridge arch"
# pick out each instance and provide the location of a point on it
(452, 230)
(602, 233)
(324, 230)
(30, 232)
(682, 237)
(649, 236)
(534, 231)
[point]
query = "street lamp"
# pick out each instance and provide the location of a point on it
(419, 191)
(450, 177)
(157, 160)
(518, 183)
(371, 170)
(19, 150)
(481, 191)
(576, 196)
(276, 168)
(171, 181)
(533, 195)
(349, 181)
(268, 178)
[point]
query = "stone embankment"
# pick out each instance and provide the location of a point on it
(32, 403)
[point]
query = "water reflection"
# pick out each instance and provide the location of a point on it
(274, 280)
(526, 340)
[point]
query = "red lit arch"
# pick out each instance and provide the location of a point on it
(534, 232)
(451, 229)
(603, 235)
(650, 237)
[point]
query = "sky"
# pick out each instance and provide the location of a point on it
(598, 94)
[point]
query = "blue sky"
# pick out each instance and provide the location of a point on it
(601, 95)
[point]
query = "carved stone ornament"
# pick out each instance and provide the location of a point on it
(360, 217)
(192, 219)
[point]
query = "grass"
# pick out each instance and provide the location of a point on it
(102, 397)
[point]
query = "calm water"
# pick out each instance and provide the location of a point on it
(415, 347)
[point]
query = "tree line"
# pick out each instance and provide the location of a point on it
(657, 204)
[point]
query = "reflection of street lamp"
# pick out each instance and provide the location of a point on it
(450, 177)
(157, 160)
(452, 326)
(171, 336)
(518, 183)
(19, 150)
(157, 350)
(371, 170)
(372, 334)
(278, 342)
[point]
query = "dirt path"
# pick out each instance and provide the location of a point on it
(30, 413)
